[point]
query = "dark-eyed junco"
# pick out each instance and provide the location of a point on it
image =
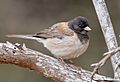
(66, 40)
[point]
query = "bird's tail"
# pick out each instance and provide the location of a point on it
(26, 37)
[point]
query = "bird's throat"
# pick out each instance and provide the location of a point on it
(83, 37)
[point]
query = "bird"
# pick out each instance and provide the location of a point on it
(65, 40)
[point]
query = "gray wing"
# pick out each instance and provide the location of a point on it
(49, 34)
(58, 30)
(22, 36)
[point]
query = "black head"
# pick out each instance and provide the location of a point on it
(79, 25)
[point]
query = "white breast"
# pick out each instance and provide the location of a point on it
(66, 48)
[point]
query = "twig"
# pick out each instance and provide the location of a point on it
(108, 33)
(22, 56)
(98, 65)
(112, 52)
(107, 55)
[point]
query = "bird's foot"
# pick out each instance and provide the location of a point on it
(70, 61)
(61, 60)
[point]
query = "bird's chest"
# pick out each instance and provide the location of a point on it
(68, 47)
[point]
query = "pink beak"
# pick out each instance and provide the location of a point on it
(87, 28)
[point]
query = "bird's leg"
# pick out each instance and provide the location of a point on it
(61, 60)
(65, 62)
(70, 61)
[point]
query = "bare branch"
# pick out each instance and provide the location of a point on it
(98, 65)
(112, 51)
(107, 55)
(109, 34)
(20, 55)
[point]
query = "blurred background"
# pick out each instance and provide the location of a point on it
(30, 16)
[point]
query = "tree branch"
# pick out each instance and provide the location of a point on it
(20, 55)
(108, 33)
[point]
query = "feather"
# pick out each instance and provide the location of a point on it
(23, 36)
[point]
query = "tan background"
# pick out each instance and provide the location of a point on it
(30, 16)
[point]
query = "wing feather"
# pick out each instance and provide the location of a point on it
(58, 30)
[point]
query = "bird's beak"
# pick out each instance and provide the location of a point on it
(87, 28)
